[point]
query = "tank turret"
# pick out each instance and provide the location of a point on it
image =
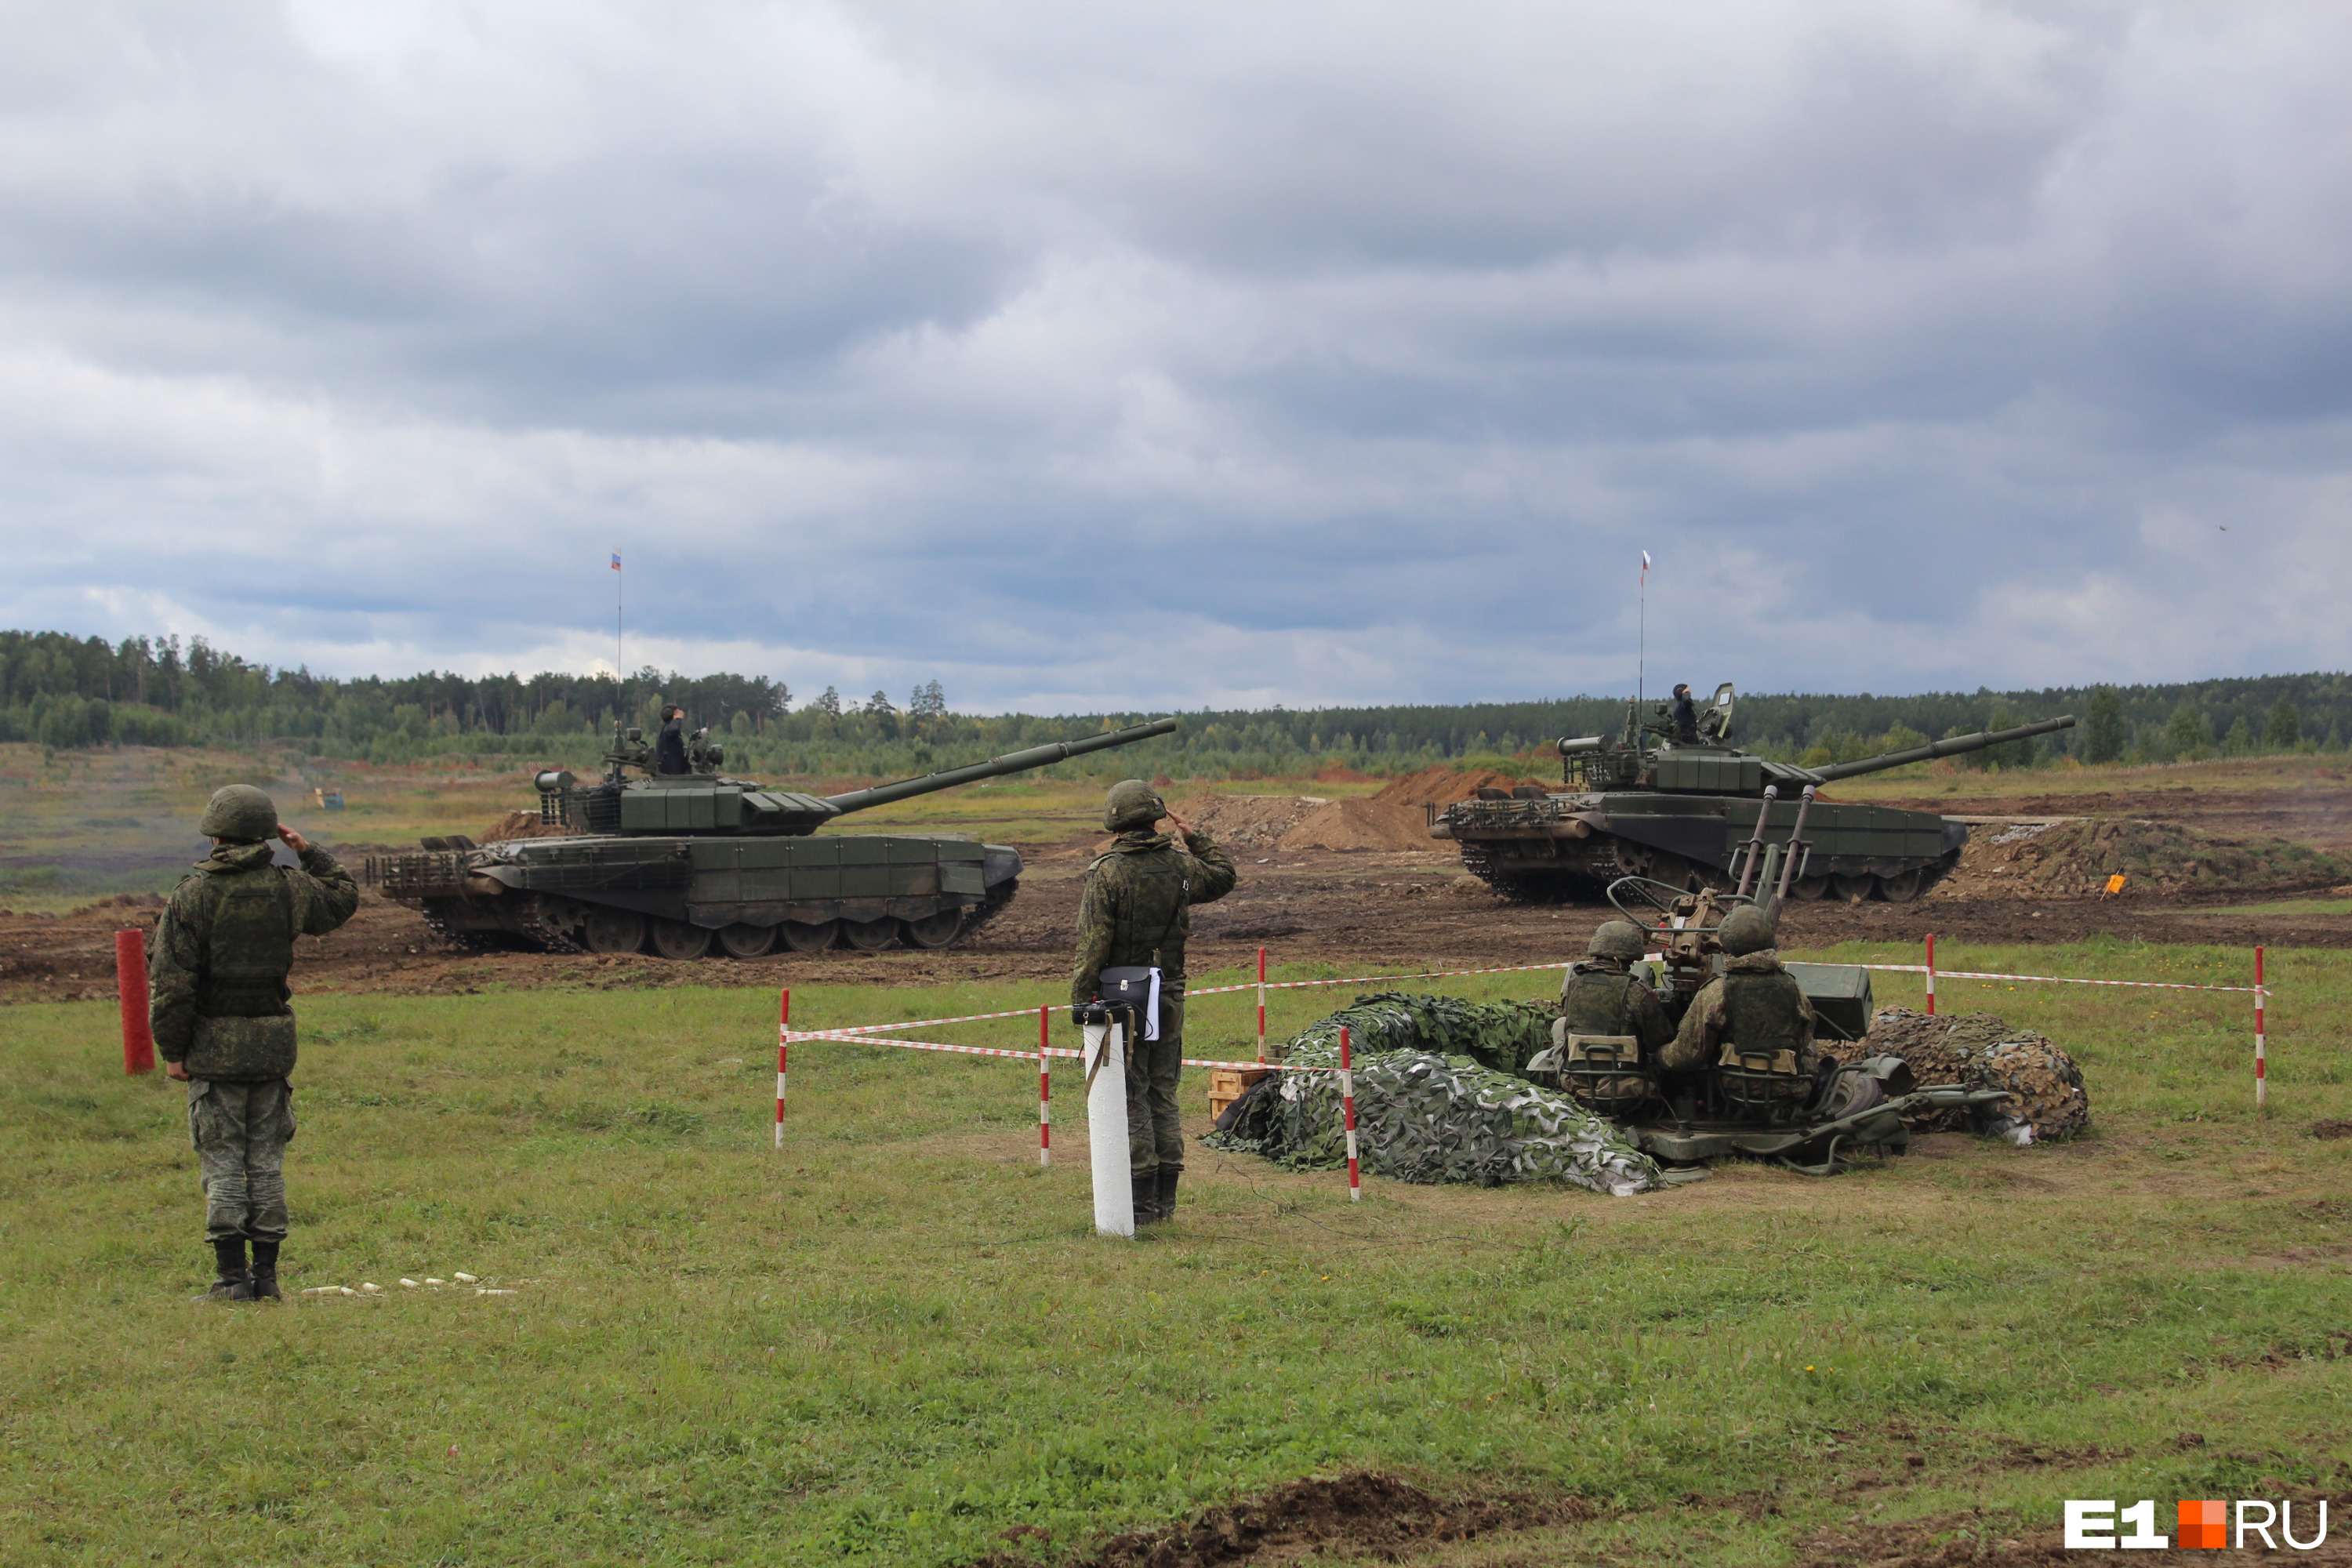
(1682, 807)
(677, 863)
(704, 802)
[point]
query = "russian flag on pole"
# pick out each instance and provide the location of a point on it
(617, 560)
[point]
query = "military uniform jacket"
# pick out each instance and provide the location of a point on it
(1756, 1005)
(1135, 908)
(226, 944)
(1602, 997)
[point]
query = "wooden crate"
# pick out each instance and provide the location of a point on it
(1229, 1084)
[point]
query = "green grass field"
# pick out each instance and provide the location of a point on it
(895, 1340)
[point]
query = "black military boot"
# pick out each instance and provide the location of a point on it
(1147, 1199)
(265, 1272)
(1164, 1199)
(235, 1284)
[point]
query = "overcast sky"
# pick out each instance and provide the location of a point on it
(1085, 355)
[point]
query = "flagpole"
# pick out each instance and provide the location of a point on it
(619, 664)
(1641, 639)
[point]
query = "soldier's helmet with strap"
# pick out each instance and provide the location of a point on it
(239, 812)
(1745, 930)
(1620, 940)
(1132, 804)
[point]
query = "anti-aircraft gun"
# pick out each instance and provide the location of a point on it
(1749, 1102)
(1685, 808)
(684, 860)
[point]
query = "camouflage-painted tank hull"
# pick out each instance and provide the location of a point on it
(1542, 848)
(692, 897)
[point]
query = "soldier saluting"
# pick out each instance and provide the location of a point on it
(1133, 912)
(222, 1024)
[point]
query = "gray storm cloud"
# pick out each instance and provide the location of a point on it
(1085, 356)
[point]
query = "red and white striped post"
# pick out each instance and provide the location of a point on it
(1261, 1006)
(783, 1057)
(1044, 1096)
(1348, 1104)
(131, 986)
(2260, 1073)
(1931, 974)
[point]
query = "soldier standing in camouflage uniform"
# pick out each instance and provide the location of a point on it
(223, 1026)
(1134, 911)
(1754, 1004)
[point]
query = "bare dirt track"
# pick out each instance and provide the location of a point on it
(1374, 912)
(1389, 906)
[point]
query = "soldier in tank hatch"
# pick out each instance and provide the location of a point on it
(669, 746)
(1755, 1005)
(1133, 912)
(1685, 714)
(222, 1024)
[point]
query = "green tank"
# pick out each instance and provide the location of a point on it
(682, 864)
(1694, 812)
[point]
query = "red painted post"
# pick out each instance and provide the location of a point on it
(1348, 1104)
(784, 1055)
(1261, 1006)
(2261, 1067)
(1044, 1096)
(130, 985)
(1931, 974)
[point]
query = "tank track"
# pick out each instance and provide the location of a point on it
(439, 924)
(544, 933)
(992, 904)
(1512, 886)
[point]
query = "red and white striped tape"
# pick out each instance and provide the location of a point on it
(2049, 979)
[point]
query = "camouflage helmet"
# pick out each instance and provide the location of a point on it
(241, 812)
(1619, 940)
(1132, 804)
(1745, 930)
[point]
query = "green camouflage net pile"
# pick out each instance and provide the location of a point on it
(1436, 1101)
(1980, 1050)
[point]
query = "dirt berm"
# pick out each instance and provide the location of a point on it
(2074, 859)
(1396, 819)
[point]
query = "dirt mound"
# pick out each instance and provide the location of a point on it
(1247, 821)
(1441, 786)
(521, 825)
(1362, 1514)
(1375, 824)
(2074, 859)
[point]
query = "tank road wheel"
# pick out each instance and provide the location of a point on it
(1904, 886)
(870, 936)
(802, 936)
(1809, 889)
(680, 940)
(1854, 889)
(742, 940)
(614, 931)
(934, 931)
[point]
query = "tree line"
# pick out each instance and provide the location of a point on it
(66, 692)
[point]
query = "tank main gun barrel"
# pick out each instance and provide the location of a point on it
(996, 767)
(1953, 747)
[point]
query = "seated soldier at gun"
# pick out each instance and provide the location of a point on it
(1753, 1023)
(1609, 1017)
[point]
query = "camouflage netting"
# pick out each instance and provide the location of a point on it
(1436, 1101)
(1980, 1051)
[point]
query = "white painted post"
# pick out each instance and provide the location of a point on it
(1106, 1065)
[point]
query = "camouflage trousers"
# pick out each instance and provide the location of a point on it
(241, 1131)
(1155, 1141)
